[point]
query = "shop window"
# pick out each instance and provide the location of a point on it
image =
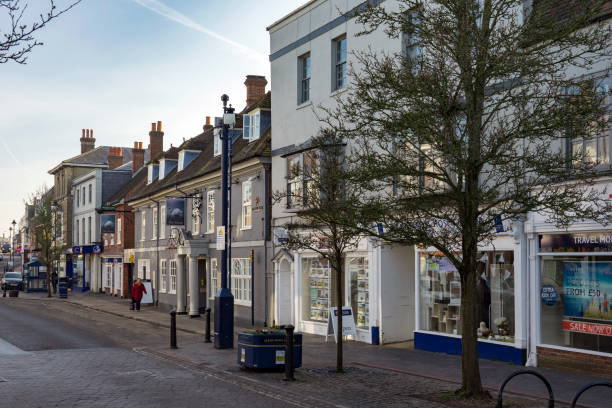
(357, 272)
(241, 280)
(164, 276)
(440, 295)
(317, 280)
(575, 306)
(172, 276)
(215, 282)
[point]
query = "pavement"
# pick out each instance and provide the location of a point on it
(393, 374)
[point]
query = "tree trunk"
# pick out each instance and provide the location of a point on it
(471, 383)
(339, 303)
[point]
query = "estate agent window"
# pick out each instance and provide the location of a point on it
(440, 295)
(339, 58)
(246, 205)
(210, 211)
(304, 79)
(241, 280)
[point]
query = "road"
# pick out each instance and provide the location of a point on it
(54, 354)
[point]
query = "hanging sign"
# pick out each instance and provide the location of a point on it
(221, 238)
(107, 222)
(175, 212)
(348, 322)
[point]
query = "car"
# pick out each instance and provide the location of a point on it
(6, 248)
(12, 281)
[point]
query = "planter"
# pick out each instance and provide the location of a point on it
(265, 350)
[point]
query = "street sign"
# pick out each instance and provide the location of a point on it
(221, 238)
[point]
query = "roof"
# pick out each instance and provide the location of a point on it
(297, 10)
(129, 189)
(265, 102)
(556, 11)
(97, 157)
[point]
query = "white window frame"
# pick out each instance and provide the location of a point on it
(241, 281)
(76, 238)
(143, 224)
(247, 205)
(118, 230)
(304, 74)
(144, 265)
(78, 197)
(83, 229)
(89, 230)
(215, 279)
(172, 276)
(340, 62)
(90, 193)
(155, 221)
(109, 275)
(251, 126)
(217, 148)
(210, 211)
(162, 228)
(163, 286)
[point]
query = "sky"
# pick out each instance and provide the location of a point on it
(116, 66)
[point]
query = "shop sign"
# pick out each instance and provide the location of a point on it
(76, 250)
(107, 222)
(586, 288)
(348, 321)
(549, 295)
(589, 328)
(175, 212)
(96, 249)
(582, 242)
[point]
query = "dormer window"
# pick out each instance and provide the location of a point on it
(165, 167)
(186, 157)
(217, 142)
(153, 173)
(251, 126)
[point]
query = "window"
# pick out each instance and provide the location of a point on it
(241, 280)
(215, 279)
(210, 212)
(83, 229)
(162, 228)
(143, 224)
(164, 276)
(76, 236)
(339, 58)
(304, 78)
(143, 268)
(172, 276)
(299, 170)
(217, 142)
(78, 197)
(109, 274)
(247, 205)
(89, 230)
(90, 194)
(196, 204)
(251, 126)
(317, 279)
(411, 48)
(118, 231)
(357, 273)
(83, 196)
(154, 235)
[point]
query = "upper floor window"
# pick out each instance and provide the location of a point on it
(339, 59)
(118, 231)
(304, 78)
(210, 211)
(217, 142)
(411, 41)
(78, 197)
(155, 224)
(251, 126)
(162, 228)
(143, 224)
(83, 195)
(241, 280)
(246, 205)
(76, 235)
(90, 194)
(89, 230)
(299, 176)
(83, 229)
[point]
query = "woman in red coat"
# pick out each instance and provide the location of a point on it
(137, 290)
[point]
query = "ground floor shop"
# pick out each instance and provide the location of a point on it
(112, 275)
(382, 305)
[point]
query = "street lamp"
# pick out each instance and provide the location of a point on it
(224, 300)
(12, 242)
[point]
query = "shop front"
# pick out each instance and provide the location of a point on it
(439, 319)
(83, 259)
(112, 275)
(575, 306)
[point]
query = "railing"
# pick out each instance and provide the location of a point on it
(588, 386)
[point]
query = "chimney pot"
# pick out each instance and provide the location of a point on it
(159, 126)
(153, 129)
(135, 145)
(83, 132)
(91, 133)
(87, 133)
(208, 120)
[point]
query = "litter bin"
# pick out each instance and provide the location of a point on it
(63, 287)
(266, 349)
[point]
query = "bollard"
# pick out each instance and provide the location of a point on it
(289, 353)
(207, 334)
(173, 329)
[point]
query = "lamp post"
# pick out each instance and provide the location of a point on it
(12, 242)
(224, 300)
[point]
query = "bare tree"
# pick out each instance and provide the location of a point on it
(18, 37)
(323, 201)
(476, 121)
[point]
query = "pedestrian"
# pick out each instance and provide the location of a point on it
(54, 281)
(137, 290)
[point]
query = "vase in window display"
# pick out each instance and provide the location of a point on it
(483, 330)
(503, 325)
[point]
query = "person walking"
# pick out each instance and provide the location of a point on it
(137, 290)
(54, 281)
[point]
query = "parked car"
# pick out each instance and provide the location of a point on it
(6, 248)
(12, 281)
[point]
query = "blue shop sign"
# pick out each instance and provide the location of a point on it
(76, 250)
(97, 249)
(579, 242)
(549, 295)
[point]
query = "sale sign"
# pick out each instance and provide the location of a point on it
(589, 328)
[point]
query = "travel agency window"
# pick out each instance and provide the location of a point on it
(440, 295)
(576, 290)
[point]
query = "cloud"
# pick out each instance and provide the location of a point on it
(171, 14)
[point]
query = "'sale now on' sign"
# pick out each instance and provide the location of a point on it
(589, 328)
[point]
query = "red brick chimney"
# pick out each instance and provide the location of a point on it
(87, 141)
(156, 144)
(115, 157)
(256, 88)
(207, 125)
(137, 157)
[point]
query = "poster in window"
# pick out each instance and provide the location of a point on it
(107, 222)
(175, 212)
(587, 288)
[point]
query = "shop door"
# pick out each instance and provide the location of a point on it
(202, 281)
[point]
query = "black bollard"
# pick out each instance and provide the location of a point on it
(207, 334)
(289, 353)
(173, 329)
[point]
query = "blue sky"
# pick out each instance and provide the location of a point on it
(115, 66)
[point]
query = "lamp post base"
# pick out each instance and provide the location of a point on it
(224, 319)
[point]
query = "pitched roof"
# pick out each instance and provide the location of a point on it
(131, 188)
(97, 157)
(265, 102)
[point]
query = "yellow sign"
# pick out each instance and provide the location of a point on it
(132, 259)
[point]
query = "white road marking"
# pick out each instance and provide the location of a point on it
(7, 349)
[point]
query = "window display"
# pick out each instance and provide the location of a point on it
(317, 282)
(575, 306)
(440, 295)
(357, 271)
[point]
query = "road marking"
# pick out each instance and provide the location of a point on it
(7, 349)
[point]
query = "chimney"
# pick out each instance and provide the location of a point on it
(137, 157)
(87, 141)
(156, 136)
(207, 126)
(115, 157)
(256, 88)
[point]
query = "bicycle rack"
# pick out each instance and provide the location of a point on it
(586, 387)
(551, 397)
